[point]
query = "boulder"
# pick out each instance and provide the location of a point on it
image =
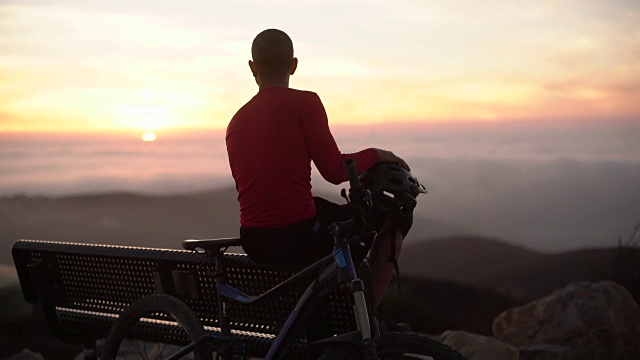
(26, 355)
(478, 347)
(598, 321)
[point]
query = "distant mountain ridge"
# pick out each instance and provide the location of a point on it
(507, 269)
(119, 218)
(432, 249)
(464, 258)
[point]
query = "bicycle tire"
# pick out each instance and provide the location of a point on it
(119, 346)
(394, 346)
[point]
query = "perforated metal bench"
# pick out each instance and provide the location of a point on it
(82, 288)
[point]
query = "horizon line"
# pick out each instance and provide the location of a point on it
(400, 124)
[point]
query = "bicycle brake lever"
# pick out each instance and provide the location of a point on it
(343, 193)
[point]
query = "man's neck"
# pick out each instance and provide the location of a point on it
(264, 83)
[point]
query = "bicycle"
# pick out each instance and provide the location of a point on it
(334, 270)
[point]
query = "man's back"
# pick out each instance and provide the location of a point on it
(268, 156)
(271, 142)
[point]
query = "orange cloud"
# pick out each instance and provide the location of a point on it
(116, 65)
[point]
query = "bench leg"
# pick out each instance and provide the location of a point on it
(89, 350)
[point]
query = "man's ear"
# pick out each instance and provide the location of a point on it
(294, 66)
(252, 66)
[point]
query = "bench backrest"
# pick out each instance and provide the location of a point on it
(92, 284)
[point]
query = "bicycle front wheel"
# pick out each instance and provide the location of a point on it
(143, 330)
(392, 346)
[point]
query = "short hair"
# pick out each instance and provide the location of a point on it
(272, 52)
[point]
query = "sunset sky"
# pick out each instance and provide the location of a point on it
(135, 66)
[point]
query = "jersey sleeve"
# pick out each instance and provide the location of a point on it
(323, 149)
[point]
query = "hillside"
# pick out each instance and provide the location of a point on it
(507, 269)
(433, 306)
(553, 272)
(140, 220)
(164, 221)
(465, 259)
(118, 218)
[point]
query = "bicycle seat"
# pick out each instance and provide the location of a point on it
(210, 244)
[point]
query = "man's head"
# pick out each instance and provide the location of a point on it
(272, 53)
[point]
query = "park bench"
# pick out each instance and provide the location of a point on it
(82, 288)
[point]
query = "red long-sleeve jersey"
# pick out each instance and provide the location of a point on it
(271, 142)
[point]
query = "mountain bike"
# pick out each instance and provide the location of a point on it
(338, 270)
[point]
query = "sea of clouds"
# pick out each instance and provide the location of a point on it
(546, 186)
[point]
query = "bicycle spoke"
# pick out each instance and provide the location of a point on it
(139, 313)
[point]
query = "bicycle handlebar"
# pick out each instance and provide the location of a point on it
(358, 196)
(352, 174)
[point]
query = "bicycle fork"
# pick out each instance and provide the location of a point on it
(360, 309)
(347, 268)
(367, 345)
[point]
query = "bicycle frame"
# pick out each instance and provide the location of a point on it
(337, 265)
(342, 268)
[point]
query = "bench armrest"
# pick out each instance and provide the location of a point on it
(210, 244)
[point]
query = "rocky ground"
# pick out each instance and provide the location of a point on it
(582, 321)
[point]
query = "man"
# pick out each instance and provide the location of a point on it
(271, 142)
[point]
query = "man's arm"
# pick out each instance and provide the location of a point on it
(323, 149)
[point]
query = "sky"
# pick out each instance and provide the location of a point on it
(124, 66)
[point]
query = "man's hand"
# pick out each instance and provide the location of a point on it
(388, 156)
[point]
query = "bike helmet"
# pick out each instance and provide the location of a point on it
(392, 187)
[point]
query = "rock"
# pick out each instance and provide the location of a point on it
(599, 321)
(478, 347)
(14, 307)
(26, 355)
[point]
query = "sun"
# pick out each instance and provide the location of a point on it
(149, 136)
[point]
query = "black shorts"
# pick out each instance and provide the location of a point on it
(304, 242)
(299, 244)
